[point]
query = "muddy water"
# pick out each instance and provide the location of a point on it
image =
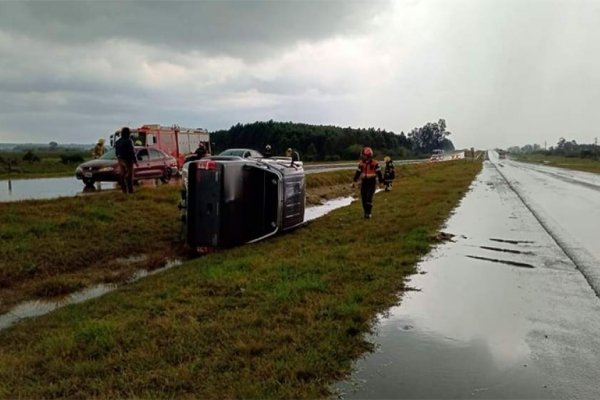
(485, 327)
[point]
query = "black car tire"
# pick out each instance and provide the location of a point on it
(88, 182)
(166, 176)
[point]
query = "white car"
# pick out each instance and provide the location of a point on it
(436, 155)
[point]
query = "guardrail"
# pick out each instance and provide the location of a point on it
(352, 165)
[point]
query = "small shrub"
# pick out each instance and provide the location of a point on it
(71, 158)
(31, 157)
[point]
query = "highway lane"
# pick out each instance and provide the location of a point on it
(567, 205)
(508, 309)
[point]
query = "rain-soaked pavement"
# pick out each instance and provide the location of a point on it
(501, 311)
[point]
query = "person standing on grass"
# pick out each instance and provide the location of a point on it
(388, 173)
(126, 156)
(368, 172)
(99, 149)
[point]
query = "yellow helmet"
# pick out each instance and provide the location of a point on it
(100, 141)
(387, 159)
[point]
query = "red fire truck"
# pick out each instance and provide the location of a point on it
(173, 140)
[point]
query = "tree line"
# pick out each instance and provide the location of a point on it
(564, 147)
(331, 143)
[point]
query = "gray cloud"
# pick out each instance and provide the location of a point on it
(247, 29)
(500, 72)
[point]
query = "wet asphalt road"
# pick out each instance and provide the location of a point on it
(503, 311)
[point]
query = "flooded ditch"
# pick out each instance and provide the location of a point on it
(46, 188)
(37, 308)
(52, 188)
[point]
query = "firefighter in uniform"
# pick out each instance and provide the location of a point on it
(200, 151)
(268, 153)
(369, 172)
(388, 173)
(99, 149)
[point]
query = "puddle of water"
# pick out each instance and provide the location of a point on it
(478, 329)
(325, 208)
(38, 308)
(51, 188)
(47, 188)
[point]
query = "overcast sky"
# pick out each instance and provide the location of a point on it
(501, 72)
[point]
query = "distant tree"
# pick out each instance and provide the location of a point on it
(30, 157)
(71, 158)
(53, 145)
(431, 136)
(311, 152)
(315, 142)
(8, 164)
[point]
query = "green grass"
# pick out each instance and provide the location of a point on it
(53, 247)
(579, 164)
(283, 318)
(49, 165)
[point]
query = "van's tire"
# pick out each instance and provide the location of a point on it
(88, 182)
(166, 176)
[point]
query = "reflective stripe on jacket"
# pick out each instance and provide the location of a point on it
(368, 169)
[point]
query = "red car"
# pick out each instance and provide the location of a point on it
(152, 164)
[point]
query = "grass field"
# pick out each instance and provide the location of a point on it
(282, 318)
(49, 165)
(579, 164)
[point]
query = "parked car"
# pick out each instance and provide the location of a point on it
(152, 164)
(243, 153)
(230, 200)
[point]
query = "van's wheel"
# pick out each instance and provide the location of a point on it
(88, 182)
(166, 176)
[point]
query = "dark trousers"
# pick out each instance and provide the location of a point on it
(367, 190)
(126, 176)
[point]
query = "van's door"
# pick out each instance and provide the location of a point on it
(203, 202)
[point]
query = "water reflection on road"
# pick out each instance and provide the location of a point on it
(488, 327)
